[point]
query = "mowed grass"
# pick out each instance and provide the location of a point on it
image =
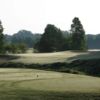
(30, 84)
(46, 58)
(43, 58)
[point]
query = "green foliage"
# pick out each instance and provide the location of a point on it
(23, 36)
(51, 40)
(78, 35)
(1, 38)
(54, 39)
(15, 48)
(22, 47)
(67, 43)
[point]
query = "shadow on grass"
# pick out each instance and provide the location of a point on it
(6, 58)
(80, 64)
(86, 56)
(46, 95)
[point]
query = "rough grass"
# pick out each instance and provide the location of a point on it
(57, 86)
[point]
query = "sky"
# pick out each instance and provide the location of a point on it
(34, 15)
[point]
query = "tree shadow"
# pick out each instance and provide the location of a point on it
(7, 58)
(86, 56)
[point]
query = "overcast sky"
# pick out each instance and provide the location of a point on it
(34, 15)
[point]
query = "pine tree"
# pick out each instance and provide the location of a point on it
(78, 35)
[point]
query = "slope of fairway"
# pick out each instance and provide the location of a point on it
(26, 74)
(45, 57)
(24, 84)
(49, 81)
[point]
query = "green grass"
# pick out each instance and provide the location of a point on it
(45, 58)
(30, 84)
(41, 58)
(23, 84)
(66, 61)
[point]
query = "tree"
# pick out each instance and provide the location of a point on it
(66, 43)
(1, 38)
(51, 40)
(78, 35)
(22, 47)
(15, 48)
(24, 36)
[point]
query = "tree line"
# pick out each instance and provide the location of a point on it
(20, 41)
(51, 40)
(93, 41)
(10, 48)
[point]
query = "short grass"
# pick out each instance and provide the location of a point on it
(46, 58)
(29, 84)
(43, 58)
